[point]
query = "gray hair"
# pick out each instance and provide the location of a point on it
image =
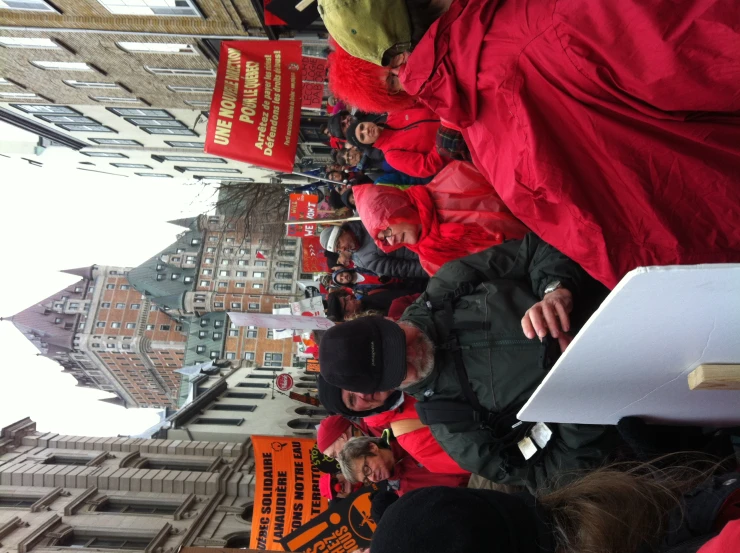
(354, 449)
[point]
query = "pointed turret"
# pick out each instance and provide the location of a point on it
(84, 272)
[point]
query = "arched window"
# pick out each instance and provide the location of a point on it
(311, 412)
(303, 424)
(305, 385)
(308, 379)
(239, 541)
(247, 512)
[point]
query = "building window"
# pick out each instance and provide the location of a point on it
(254, 306)
(135, 306)
(87, 128)
(130, 325)
(18, 501)
(205, 283)
(251, 333)
(77, 460)
(115, 100)
(285, 264)
(164, 327)
(200, 349)
(282, 287)
(115, 325)
(168, 130)
(174, 464)
(239, 285)
(303, 424)
(236, 305)
(221, 422)
(245, 395)
(192, 89)
(154, 175)
(232, 407)
(214, 355)
(157, 47)
(152, 7)
(120, 306)
(183, 169)
(223, 273)
(257, 285)
(174, 276)
(233, 332)
(258, 274)
(116, 141)
(249, 355)
(125, 505)
(230, 355)
(89, 84)
(150, 327)
(193, 159)
(242, 274)
(125, 286)
(208, 260)
(185, 72)
(131, 165)
(273, 360)
(62, 65)
(217, 335)
(218, 324)
(225, 262)
(198, 103)
(100, 324)
(27, 5)
(207, 271)
(185, 144)
(103, 154)
(270, 335)
(260, 263)
(139, 122)
(19, 95)
(31, 43)
(105, 305)
(88, 539)
(33, 108)
(253, 385)
(284, 276)
(223, 284)
(263, 376)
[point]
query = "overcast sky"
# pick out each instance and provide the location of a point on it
(52, 220)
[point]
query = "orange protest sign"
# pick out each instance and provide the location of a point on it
(312, 366)
(287, 489)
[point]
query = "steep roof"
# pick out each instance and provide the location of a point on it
(39, 325)
(201, 333)
(187, 222)
(84, 272)
(163, 282)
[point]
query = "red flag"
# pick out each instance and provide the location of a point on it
(260, 255)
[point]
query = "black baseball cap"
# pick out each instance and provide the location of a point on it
(366, 355)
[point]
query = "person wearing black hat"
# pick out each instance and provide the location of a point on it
(607, 511)
(341, 304)
(471, 317)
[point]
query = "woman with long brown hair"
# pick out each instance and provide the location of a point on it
(611, 510)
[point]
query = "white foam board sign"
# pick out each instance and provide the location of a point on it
(268, 320)
(634, 354)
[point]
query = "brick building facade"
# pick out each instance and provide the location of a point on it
(131, 494)
(129, 87)
(128, 330)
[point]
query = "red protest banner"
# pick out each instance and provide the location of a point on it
(255, 111)
(302, 206)
(314, 260)
(313, 95)
(314, 69)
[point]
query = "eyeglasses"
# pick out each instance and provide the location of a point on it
(366, 472)
(384, 235)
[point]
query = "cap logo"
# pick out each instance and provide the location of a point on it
(372, 353)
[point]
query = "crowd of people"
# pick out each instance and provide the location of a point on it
(509, 163)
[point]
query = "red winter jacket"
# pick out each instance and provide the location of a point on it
(609, 129)
(412, 475)
(419, 444)
(409, 142)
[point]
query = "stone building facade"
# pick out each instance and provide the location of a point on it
(126, 494)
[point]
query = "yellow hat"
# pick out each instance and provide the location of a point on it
(366, 29)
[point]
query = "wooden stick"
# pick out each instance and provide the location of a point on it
(303, 4)
(321, 221)
(715, 377)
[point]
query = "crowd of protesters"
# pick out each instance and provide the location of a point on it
(509, 163)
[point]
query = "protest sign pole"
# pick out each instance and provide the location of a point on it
(321, 221)
(314, 177)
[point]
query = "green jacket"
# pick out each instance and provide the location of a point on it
(503, 366)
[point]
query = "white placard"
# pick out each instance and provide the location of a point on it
(309, 307)
(268, 320)
(634, 355)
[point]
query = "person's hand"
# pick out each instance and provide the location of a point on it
(550, 316)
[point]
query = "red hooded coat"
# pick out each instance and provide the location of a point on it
(409, 142)
(458, 211)
(610, 129)
(419, 444)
